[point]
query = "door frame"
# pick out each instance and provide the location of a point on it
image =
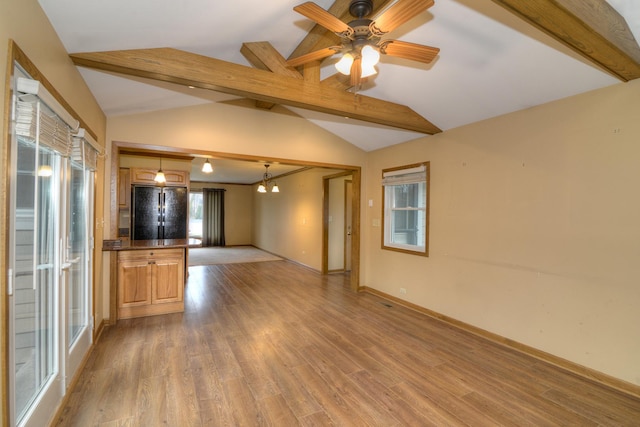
(348, 232)
(355, 224)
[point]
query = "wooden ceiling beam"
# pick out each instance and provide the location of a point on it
(188, 69)
(592, 28)
(264, 56)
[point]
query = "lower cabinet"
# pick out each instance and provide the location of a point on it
(150, 282)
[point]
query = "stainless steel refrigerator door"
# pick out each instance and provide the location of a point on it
(146, 220)
(175, 201)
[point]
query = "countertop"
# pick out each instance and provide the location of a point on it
(135, 245)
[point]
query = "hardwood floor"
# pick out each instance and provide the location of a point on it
(273, 343)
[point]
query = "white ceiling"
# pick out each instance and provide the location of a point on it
(490, 63)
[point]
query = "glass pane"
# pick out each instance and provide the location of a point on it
(195, 215)
(34, 294)
(77, 252)
(408, 227)
(409, 196)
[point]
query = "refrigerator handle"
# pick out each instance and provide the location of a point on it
(160, 215)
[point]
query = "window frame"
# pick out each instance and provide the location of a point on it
(386, 211)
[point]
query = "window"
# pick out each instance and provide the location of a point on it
(195, 215)
(406, 208)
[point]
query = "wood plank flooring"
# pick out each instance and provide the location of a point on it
(275, 344)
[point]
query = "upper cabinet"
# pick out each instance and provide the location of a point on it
(124, 201)
(146, 176)
(124, 188)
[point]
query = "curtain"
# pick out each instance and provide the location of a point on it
(213, 217)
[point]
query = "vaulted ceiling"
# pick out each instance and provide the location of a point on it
(497, 56)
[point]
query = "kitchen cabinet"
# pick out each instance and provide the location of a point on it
(150, 282)
(124, 188)
(124, 202)
(147, 176)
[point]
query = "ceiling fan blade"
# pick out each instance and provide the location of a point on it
(399, 13)
(407, 50)
(324, 18)
(312, 56)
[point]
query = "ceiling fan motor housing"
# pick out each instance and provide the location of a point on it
(362, 36)
(360, 8)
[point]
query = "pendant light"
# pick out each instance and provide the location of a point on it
(206, 167)
(160, 178)
(266, 182)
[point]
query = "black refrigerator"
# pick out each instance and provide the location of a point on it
(158, 212)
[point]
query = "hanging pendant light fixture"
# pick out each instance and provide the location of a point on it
(206, 167)
(266, 182)
(160, 178)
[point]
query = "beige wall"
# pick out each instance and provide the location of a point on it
(223, 128)
(289, 223)
(535, 228)
(238, 211)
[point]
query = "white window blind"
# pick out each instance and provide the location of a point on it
(405, 176)
(85, 150)
(39, 116)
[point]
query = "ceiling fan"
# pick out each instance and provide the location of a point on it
(361, 38)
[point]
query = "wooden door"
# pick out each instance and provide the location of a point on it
(168, 283)
(134, 283)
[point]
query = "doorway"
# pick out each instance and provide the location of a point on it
(348, 223)
(50, 264)
(341, 211)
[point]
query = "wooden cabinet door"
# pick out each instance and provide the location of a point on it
(147, 176)
(150, 282)
(134, 283)
(168, 283)
(124, 188)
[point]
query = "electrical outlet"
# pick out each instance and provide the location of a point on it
(403, 291)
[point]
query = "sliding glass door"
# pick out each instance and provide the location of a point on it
(77, 263)
(50, 266)
(35, 304)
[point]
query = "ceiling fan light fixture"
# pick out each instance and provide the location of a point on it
(206, 167)
(370, 56)
(344, 65)
(368, 70)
